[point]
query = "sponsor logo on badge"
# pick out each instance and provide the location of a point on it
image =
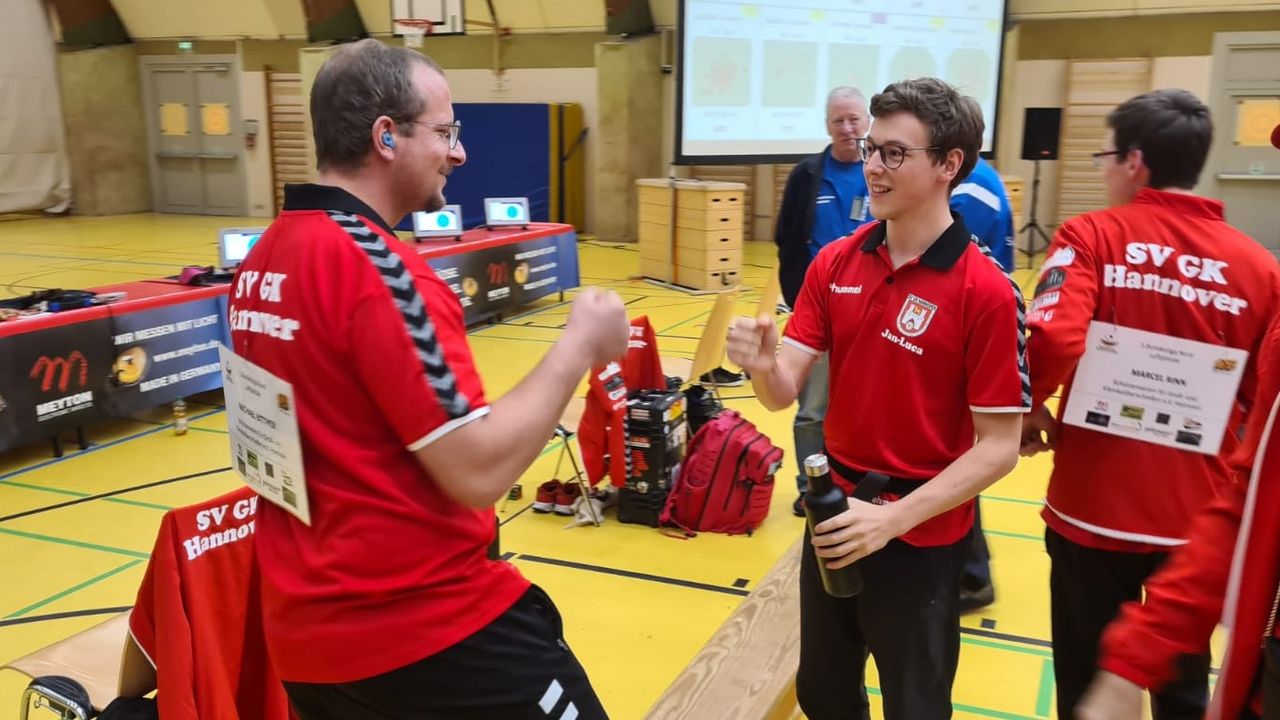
(1188, 438)
(1132, 411)
(1109, 343)
(915, 316)
(1225, 365)
(1097, 418)
(1162, 418)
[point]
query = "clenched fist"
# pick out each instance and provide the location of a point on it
(753, 344)
(598, 321)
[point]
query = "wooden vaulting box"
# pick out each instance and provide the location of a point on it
(690, 232)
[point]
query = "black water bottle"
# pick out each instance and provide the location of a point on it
(823, 501)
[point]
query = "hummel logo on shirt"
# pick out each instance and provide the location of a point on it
(845, 289)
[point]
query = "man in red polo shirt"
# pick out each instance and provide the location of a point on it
(928, 384)
(1161, 261)
(386, 606)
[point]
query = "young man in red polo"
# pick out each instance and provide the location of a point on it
(928, 385)
(1134, 290)
(385, 606)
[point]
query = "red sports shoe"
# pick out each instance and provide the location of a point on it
(545, 501)
(568, 495)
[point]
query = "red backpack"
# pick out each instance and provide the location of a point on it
(726, 481)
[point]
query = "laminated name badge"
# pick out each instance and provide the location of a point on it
(1155, 388)
(263, 423)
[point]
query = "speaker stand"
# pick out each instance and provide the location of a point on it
(1032, 229)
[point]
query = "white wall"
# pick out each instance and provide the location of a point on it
(1043, 83)
(1037, 83)
(550, 85)
(257, 160)
(1189, 73)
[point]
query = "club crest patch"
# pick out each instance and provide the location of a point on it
(915, 316)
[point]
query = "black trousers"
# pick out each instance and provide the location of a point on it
(1087, 588)
(907, 617)
(516, 668)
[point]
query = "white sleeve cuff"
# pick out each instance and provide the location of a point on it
(447, 428)
(997, 410)
(801, 346)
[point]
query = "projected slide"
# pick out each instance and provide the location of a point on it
(754, 76)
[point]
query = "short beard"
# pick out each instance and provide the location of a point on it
(435, 203)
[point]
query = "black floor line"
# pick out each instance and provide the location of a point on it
(634, 575)
(113, 493)
(64, 615)
(1037, 642)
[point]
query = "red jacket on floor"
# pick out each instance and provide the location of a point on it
(1230, 569)
(602, 433)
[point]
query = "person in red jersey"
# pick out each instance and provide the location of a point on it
(386, 606)
(1229, 571)
(1160, 261)
(925, 338)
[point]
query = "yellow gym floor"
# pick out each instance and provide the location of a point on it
(75, 533)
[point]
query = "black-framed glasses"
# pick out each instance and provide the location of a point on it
(1097, 157)
(452, 132)
(891, 154)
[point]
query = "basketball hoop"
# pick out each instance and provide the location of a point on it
(412, 30)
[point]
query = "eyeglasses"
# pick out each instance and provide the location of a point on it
(1097, 157)
(452, 131)
(891, 154)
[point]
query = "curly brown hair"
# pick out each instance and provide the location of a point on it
(954, 120)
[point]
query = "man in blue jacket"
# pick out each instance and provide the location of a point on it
(825, 199)
(983, 202)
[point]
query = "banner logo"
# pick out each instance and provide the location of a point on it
(58, 370)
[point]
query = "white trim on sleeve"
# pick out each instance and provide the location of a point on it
(995, 410)
(801, 346)
(447, 428)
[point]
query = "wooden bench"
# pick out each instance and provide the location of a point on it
(747, 670)
(103, 658)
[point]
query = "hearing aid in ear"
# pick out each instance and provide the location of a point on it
(387, 139)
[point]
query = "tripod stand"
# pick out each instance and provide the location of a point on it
(1032, 228)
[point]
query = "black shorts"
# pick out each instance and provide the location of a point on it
(516, 668)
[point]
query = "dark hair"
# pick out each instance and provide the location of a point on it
(954, 120)
(1171, 128)
(357, 84)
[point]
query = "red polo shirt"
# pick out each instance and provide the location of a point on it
(914, 351)
(391, 569)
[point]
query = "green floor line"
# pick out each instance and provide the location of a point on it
(997, 645)
(76, 493)
(71, 590)
(75, 543)
(685, 321)
(1017, 536)
(1019, 501)
(208, 430)
(972, 709)
(1044, 698)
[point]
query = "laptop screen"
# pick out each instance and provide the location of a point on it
(235, 243)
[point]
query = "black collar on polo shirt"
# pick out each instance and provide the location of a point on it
(941, 255)
(310, 196)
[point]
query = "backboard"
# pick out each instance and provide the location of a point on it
(445, 17)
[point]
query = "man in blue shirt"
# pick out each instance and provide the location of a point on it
(825, 199)
(983, 203)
